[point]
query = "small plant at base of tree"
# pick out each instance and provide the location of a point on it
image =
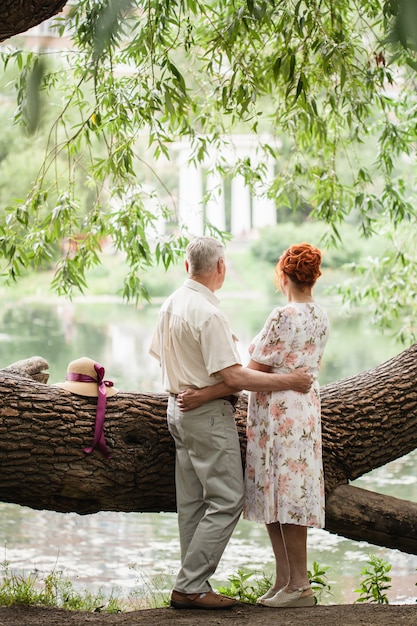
(318, 581)
(375, 581)
(240, 589)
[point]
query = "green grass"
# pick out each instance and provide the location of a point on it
(51, 590)
(54, 590)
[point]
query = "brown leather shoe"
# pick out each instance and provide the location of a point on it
(205, 600)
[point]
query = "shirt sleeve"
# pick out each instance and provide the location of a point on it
(271, 346)
(218, 344)
(154, 349)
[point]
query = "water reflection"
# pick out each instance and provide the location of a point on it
(118, 336)
(135, 551)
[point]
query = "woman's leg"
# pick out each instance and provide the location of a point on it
(289, 543)
(292, 586)
(282, 572)
(295, 545)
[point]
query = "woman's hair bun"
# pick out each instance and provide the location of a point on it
(301, 262)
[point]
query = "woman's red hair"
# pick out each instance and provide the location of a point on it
(301, 263)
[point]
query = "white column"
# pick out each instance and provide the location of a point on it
(215, 208)
(240, 204)
(190, 195)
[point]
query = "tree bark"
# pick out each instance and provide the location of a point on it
(361, 515)
(368, 420)
(20, 15)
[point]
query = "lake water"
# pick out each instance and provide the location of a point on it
(136, 554)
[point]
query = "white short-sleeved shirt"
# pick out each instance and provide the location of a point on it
(193, 340)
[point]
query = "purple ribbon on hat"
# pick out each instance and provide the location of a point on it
(99, 440)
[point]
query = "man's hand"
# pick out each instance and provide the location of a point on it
(300, 380)
(190, 399)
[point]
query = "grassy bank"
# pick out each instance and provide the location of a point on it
(54, 591)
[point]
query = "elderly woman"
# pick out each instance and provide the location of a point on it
(284, 472)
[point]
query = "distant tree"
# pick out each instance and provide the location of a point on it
(328, 76)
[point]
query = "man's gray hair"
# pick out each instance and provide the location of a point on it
(203, 253)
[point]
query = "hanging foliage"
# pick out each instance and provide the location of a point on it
(334, 80)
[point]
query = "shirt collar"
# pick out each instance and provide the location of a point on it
(205, 291)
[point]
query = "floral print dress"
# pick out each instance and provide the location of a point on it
(284, 471)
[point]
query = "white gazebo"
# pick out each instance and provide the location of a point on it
(201, 187)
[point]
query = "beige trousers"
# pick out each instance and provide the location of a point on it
(209, 488)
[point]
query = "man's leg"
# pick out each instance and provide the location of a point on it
(190, 504)
(210, 436)
(189, 492)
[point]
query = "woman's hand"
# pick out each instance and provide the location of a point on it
(190, 399)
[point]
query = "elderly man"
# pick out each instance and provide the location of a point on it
(196, 348)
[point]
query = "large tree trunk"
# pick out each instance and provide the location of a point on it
(20, 15)
(368, 420)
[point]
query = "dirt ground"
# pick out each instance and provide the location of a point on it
(240, 615)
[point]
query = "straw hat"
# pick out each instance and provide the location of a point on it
(85, 367)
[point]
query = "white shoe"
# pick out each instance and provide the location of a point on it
(282, 599)
(269, 594)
